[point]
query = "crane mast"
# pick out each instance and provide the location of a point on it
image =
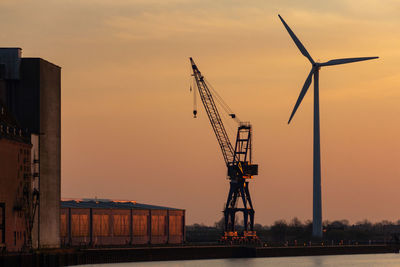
(238, 161)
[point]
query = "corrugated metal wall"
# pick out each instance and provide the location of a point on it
(176, 226)
(101, 227)
(141, 226)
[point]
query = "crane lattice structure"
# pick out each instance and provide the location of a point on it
(238, 160)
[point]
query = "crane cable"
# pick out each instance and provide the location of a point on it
(193, 87)
(217, 97)
(226, 108)
(222, 103)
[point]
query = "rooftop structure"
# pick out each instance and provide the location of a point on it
(95, 203)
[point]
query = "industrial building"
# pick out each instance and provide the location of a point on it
(95, 222)
(15, 183)
(30, 90)
(30, 174)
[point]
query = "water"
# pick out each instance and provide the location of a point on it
(381, 260)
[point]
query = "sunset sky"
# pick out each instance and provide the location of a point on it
(127, 125)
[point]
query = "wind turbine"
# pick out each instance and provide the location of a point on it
(317, 206)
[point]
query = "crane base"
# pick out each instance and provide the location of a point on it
(246, 238)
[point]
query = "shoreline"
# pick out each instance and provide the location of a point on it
(80, 256)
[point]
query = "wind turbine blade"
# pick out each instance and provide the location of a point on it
(302, 93)
(296, 40)
(345, 61)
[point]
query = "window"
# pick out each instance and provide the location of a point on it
(157, 225)
(120, 225)
(101, 226)
(139, 225)
(175, 225)
(79, 225)
(2, 222)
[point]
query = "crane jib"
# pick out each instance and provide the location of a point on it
(213, 115)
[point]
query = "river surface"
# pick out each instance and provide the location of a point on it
(381, 260)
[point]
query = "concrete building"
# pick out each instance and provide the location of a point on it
(31, 91)
(15, 184)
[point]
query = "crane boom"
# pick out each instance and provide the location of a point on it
(215, 119)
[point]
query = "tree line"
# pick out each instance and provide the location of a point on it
(296, 232)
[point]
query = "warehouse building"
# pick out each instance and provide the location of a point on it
(95, 222)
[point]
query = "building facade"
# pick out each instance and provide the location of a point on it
(15, 185)
(31, 91)
(93, 222)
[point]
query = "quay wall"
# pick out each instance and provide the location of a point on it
(69, 257)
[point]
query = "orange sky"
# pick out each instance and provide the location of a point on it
(128, 131)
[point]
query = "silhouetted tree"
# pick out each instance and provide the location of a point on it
(220, 224)
(278, 230)
(297, 232)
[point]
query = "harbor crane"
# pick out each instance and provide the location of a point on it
(238, 160)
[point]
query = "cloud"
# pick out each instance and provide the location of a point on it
(177, 23)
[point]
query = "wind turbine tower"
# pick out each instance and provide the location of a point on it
(316, 66)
